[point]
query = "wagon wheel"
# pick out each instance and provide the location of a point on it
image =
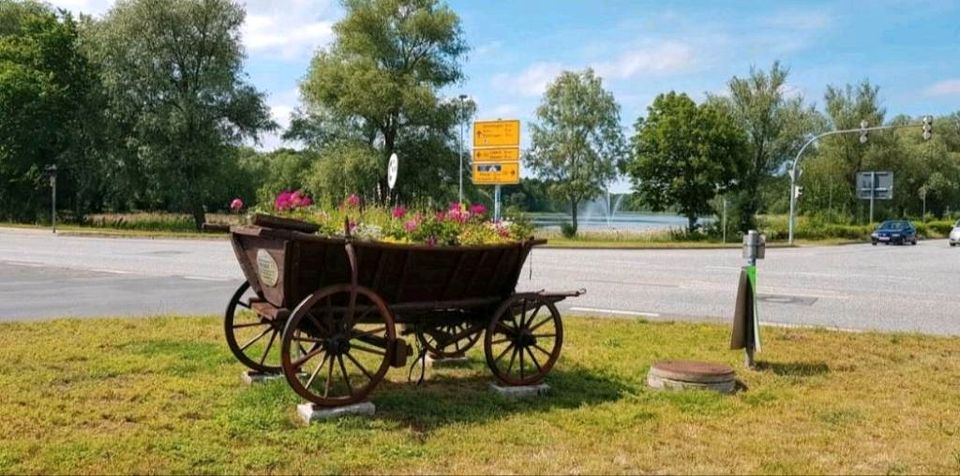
(348, 335)
(442, 341)
(522, 342)
(252, 338)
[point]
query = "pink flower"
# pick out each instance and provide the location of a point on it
(284, 201)
(478, 209)
(502, 230)
(306, 201)
(458, 215)
(441, 215)
(411, 226)
(236, 205)
(399, 212)
(456, 206)
(432, 241)
(352, 201)
(295, 199)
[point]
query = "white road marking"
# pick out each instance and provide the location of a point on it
(205, 278)
(111, 271)
(615, 311)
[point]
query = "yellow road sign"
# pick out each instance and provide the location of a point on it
(499, 154)
(496, 133)
(504, 173)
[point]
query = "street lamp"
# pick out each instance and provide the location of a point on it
(463, 98)
(52, 173)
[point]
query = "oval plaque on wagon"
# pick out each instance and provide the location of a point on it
(267, 268)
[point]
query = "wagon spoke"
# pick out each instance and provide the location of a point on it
(522, 349)
(251, 341)
(346, 378)
(273, 336)
(316, 371)
(541, 349)
(513, 357)
(500, 341)
(364, 349)
(369, 333)
(535, 363)
(251, 324)
(307, 339)
(543, 335)
(245, 305)
(505, 350)
(544, 321)
(309, 355)
(534, 315)
(360, 366)
(326, 385)
(523, 312)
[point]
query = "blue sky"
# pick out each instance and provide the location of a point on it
(911, 49)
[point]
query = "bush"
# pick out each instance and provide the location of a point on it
(567, 230)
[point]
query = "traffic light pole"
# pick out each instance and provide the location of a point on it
(796, 162)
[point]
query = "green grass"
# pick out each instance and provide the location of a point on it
(163, 395)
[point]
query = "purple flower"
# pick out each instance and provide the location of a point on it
(236, 205)
(284, 201)
(478, 209)
(399, 212)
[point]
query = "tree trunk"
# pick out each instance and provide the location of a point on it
(573, 215)
(199, 217)
(691, 223)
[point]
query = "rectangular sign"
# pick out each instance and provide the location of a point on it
(496, 133)
(496, 173)
(499, 154)
(877, 184)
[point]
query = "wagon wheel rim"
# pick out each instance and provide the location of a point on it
(348, 334)
(253, 339)
(448, 346)
(523, 340)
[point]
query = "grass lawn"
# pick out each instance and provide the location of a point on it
(163, 395)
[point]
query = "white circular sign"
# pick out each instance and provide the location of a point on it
(267, 268)
(392, 168)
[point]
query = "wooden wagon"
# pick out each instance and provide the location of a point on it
(331, 314)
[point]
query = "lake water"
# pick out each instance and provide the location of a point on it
(623, 221)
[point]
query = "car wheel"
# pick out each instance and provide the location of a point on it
(952, 245)
(875, 243)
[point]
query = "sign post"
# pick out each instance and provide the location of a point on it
(496, 156)
(52, 172)
(874, 186)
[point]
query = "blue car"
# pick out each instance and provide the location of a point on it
(898, 232)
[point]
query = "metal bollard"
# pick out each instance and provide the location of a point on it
(746, 327)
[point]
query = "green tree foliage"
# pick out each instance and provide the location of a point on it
(577, 142)
(776, 126)
(375, 91)
(48, 112)
(685, 154)
(172, 70)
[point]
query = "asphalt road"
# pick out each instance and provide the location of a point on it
(908, 288)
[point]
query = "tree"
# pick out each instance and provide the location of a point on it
(172, 70)
(49, 111)
(684, 155)
(576, 141)
(379, 82)
(776, 126)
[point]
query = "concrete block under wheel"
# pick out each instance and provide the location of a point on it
(524, 391)
(689, 375)
(310, 413)
(252, 377)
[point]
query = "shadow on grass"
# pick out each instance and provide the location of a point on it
(452, 400)
(794, 369)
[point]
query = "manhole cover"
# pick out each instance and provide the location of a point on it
(692, 375)
(785, 299)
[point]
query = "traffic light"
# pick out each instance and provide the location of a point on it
(863, 131)
(927, 127)
(797, 192)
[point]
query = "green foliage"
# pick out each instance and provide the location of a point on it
(576, 142)
(375, 91)
(684, 154)
(567, 230)
(172, 70)
(776, 126)
(48, 112)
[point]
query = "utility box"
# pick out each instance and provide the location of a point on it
(754, 245)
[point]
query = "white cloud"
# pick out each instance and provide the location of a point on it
(799, 20)
(532, 81)
(949, 87)
(288, 29)
(658, 59)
